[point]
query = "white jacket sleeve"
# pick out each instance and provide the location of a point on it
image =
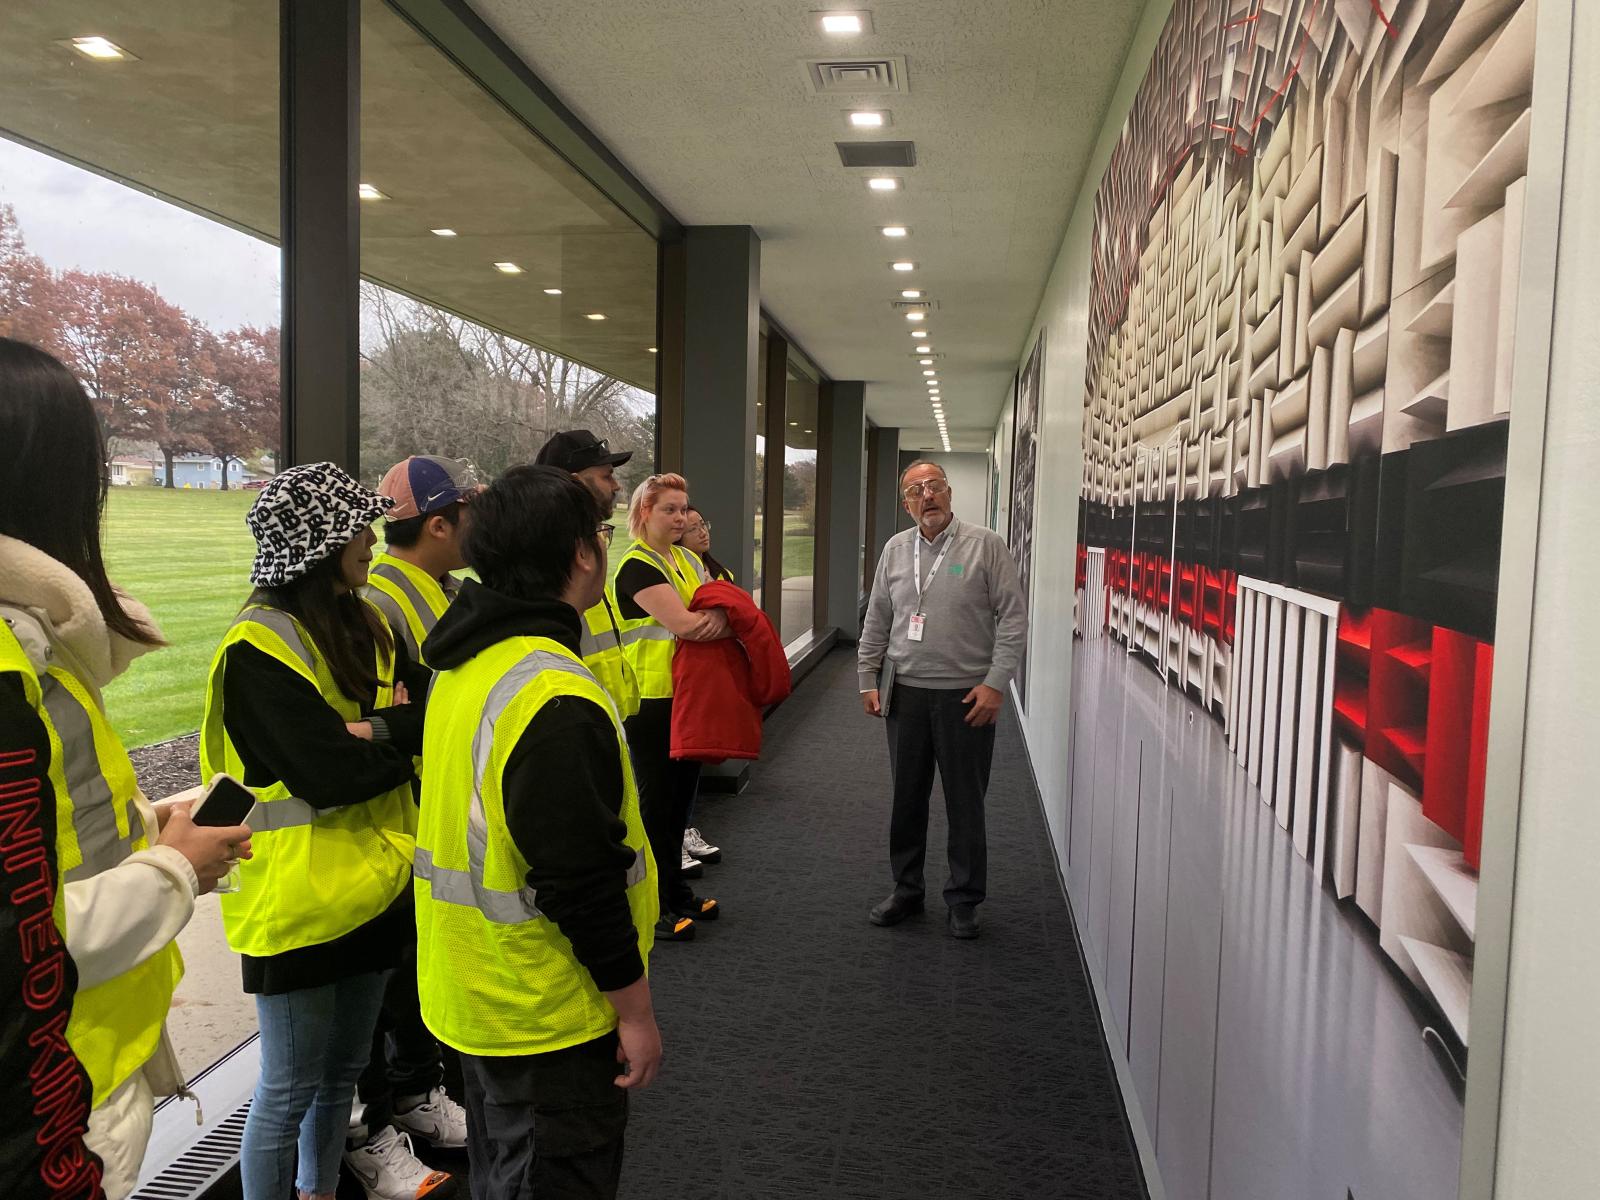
(121, 917)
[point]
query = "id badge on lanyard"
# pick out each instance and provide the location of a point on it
(919, 619)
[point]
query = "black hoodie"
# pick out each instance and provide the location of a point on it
(562, 787)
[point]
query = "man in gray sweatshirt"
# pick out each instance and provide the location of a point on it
(946, 627)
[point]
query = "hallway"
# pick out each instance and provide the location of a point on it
(811, 1054)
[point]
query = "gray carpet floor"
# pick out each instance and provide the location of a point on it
(812, 1054)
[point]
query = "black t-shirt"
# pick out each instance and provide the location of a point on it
(634, 576)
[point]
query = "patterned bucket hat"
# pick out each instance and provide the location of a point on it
(304, 515)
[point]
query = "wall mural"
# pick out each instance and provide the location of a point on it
(1029, 389)
(1304, 274)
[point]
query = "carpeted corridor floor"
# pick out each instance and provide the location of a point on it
(811, 1054)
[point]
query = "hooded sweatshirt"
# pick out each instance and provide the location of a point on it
(562, 787)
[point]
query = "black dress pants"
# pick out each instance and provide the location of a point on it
(927, 729)
(666, 792)
(546, 1126)
(406, 1059)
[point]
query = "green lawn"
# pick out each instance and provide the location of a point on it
(185, 554)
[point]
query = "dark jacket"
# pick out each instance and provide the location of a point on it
(562, 787)
(720, 689)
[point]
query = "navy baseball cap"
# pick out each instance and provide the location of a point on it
(425, 483)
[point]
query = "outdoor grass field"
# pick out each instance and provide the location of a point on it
(186, 554)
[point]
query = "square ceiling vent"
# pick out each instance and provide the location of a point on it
(877, 154)
(855, 76)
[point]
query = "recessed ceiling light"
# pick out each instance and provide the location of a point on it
(895, 231)
(442, 232)
(595, 316)
(883, 183)
(652, 350)
(904, 266)
(911, 294)
(810, 430)
(841, 24)
(916, 316)
(923, 348)
(367, 192)
(99, 48)
(930, 372)
(872, 119)
(927, 362)
(796, 424)
(552, 291)
(508, 268)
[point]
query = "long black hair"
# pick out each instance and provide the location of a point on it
(53, 474)
(716, 569)
(342, 624)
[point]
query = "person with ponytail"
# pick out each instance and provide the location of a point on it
(95, 881)
(314, 705)
(651, 592)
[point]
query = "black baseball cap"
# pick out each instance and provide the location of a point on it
(575, 450)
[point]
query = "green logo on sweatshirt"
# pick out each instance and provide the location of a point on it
(957, 568)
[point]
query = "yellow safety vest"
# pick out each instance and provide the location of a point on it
(495, 975)
(647, 643)
(601, 649)
(411, 600)
(316, 874)
(115, 1026)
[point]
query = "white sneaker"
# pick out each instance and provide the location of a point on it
(439, 1121)
(388, 1170)
(691, 866)
(696, 845)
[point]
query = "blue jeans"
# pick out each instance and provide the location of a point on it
(314, 1044)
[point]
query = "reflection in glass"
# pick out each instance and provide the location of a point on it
(139, 215)
(799, 506)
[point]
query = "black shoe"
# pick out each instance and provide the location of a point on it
(674, 929)
(895, 909)
(963, 921)
(699, 910)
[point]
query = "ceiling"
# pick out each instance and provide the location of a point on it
(194, 119)
(707, 102)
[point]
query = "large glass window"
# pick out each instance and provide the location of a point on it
(799, 505)
(761, 464)
(504, 297)
(138, 229)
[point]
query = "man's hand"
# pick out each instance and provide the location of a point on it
(639, 1051)
(638, 1039)
(986, 702)
(870, 705)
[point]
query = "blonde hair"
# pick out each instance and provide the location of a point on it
(647, 495)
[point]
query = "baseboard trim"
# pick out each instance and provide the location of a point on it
(1132, 1114)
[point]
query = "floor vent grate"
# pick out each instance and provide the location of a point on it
(198, 1168)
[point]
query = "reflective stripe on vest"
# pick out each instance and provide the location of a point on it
(316, 874)
(495, 975)
(647, 643)
(97, 819)
(114, 1027)
(401, 592)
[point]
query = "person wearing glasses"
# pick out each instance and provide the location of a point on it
(945, 630)
(651, 592)
(591, 462)
(697, 540)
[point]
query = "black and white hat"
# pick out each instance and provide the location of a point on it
(303, 516)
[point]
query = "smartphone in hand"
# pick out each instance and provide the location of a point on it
(226, 802)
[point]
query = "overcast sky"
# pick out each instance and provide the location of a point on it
(74, 218)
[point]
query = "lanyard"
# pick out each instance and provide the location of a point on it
(916, 563)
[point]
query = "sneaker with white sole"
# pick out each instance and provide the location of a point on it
(387, 1169)
(438, 1121)
(696, 845)
(691, 866)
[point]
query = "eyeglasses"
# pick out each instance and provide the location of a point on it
(605, 533)
(699, 527)
(928, 487)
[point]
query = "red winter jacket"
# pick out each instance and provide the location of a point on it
(720, 688)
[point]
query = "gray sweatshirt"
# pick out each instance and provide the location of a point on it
(976, 616)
